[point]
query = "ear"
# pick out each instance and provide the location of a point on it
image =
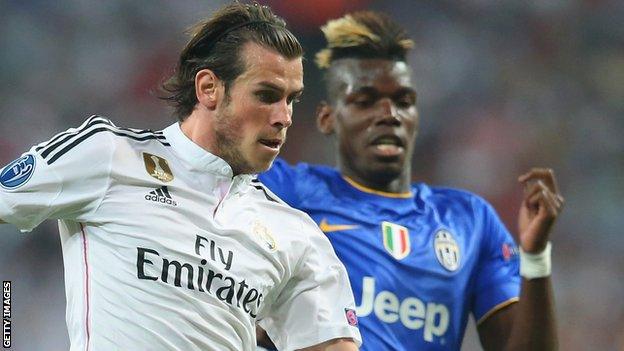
(325, 118)
(206, 88)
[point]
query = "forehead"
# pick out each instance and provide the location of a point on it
(262, 64)
(354, 74)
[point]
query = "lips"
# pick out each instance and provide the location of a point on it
(387, 145)
(271, 143)
(388, 139)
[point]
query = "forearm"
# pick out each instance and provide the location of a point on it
(344, 344)
(534, 324)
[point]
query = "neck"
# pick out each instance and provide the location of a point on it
(381, 181)
(200, 130)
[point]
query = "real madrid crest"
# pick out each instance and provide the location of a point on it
(157, 167)
(263, 236)
(447, 250)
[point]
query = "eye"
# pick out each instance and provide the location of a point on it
(268, 96)
(363, 101)
(293, 99)
(405, 100)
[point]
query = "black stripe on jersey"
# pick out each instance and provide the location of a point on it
(266, 194)
(159, 192)
(115, 131)
(73, 131)
(95, 120)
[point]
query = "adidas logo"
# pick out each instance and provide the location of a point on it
(161, 195)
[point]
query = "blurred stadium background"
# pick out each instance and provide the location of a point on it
(503, 85)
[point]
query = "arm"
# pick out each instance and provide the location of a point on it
(343, 344)
(529, 324)
(263, 340)
(312, 310)
(51, 180)
(334, 345)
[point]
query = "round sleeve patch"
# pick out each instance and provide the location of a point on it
(18, 172)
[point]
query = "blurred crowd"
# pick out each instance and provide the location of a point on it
(502, 86)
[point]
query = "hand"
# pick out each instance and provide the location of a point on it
(540, 208)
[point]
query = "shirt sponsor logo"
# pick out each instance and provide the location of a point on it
(413, 313)
(447, 250)
(161, 195)
(18, 172)
(210, 274)
(157, 167)
(396, 239)
(328, 228)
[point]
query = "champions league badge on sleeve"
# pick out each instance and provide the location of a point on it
(18, 172)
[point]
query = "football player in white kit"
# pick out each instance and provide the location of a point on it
(169, 242)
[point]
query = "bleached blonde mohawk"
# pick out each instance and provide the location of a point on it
(363, 34)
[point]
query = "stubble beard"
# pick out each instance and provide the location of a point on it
(228, 143)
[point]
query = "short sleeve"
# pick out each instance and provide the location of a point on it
(316, 304)
(281, 180)
(497, 279)
(63, 178)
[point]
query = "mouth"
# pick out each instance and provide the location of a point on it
(273, 144)
(388, 145)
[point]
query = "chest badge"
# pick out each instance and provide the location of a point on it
(157, 167)
(263, 236)
(447, 250)
(396, 240)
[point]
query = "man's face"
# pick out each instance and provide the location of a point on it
(251, 124)
(375, 118)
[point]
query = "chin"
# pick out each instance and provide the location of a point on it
(259, 167)
(386, 171)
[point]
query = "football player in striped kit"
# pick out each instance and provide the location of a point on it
(169, 242)
(420, 258)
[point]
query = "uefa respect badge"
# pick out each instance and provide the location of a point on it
(18, 172)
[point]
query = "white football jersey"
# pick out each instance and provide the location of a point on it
(165, 250)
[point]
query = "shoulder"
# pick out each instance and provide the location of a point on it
(450, 198)
(280, 211)
(272, 203)
(95, 135)
(301, 171)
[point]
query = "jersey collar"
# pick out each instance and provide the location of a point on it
(197, 158)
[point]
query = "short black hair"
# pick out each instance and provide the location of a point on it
(216, 44)
(361, 35)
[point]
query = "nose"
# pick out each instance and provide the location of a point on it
(388, 113)
(282, 116)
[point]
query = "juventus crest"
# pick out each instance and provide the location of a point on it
(447, 250)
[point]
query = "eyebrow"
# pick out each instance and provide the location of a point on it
(277, 88)
(374, 91)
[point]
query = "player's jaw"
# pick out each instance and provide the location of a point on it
(268, 147)
(383, 157)
(258, 153)
(375, 153)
